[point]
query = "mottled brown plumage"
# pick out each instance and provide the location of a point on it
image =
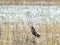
(34, 32)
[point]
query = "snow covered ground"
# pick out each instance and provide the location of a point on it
(34, 14)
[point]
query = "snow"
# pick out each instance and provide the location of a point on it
(30, 13)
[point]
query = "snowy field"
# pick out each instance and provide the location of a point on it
(34, 14)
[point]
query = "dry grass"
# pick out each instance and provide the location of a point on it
(29, 2)
(19, 34)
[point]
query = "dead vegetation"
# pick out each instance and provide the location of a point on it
(16, 33)
(30, 2)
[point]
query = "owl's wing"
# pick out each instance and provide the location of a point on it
(34, 32)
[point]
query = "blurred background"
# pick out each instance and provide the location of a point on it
(16, 16)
